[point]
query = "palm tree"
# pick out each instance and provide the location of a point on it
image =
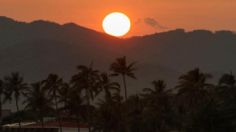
(15, 86)
(134, 107)
(158, 115)
(38, 101)
(109, 116)
(227, 80)
(226, 86)
(193, 95)
(121, 67)
(53, 84)
(74, 105)
(87, 82)
(64, 93)
(226, 98)
(106, 116)
(108, 87)
(159, 87)
(73, 102)
(154, 95)
(193, 86)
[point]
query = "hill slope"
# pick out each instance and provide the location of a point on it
(40, 47)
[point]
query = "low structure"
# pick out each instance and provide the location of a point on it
(67, 126)
(7, 129)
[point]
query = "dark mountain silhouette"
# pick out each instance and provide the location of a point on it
(38, 48)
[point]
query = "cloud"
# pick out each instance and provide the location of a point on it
(153, 23)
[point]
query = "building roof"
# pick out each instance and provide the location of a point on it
(55, 124)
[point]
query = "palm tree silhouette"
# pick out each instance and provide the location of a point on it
(64, 93)
(225, 99)
(134, 113)
(158, 107)
(109, 117)
(15, 86)
(74, 105)
(193, 86)
(108, 87)
(192, 95)
(159, 87)
(87, 81)
(38, 101)
(121, 67)
(226, 86)
(53, 84)
(227, 80)
(106, 117)
(154, 95)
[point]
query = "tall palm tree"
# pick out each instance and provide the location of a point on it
(192, 96)
(158, 113)
(15, 86)
(134, 107)
(87, 82)
(106, 116)
(226, 91)
(75, 106)
(109, 116)
(193, 86)
(53, 84)
(38, 101)
(122, 68)
(108, 87)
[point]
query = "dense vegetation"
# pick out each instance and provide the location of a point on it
(94, 98)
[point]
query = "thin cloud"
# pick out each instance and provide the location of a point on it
(153, 23)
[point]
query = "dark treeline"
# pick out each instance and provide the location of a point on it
(92, 97)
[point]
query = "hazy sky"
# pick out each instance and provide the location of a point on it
(147, 16)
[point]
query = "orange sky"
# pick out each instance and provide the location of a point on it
(148, 16)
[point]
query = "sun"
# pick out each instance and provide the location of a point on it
(116, 24)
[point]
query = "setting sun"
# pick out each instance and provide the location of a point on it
(116, 24)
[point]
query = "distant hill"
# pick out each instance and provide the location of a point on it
(38, 48)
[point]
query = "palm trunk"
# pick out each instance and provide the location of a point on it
(126, 97)
(88, 112)
(124, 82)
(17, 109)
(78, 123)
(42, 122)
(58, 115)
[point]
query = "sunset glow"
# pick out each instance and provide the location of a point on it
(118, 65)
(187, 14)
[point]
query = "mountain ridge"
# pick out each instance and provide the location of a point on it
(38, 48)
